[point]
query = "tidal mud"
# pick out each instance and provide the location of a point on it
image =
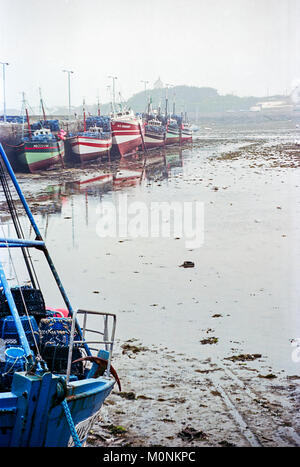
(208, 354)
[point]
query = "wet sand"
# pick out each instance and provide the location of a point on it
(204, 354)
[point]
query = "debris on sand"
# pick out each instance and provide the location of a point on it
(268, 376)
(243, 357)
(187, 264)
(189, 434)
(127, 395)
(132, 349)
(116, 430)
(209, 340)
(226, 444)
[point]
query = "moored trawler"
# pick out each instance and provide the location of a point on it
(126, 131)
(172, 132)
(40, 150)
(94, 142)
(186, 133)
(43, 143)
(154, 134)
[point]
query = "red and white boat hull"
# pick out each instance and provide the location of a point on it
(126, 137)
(86, 148)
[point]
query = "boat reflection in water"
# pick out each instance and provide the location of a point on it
(128, 172)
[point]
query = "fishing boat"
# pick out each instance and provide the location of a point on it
(126, 132)
(94, 142)
(55, 364)
(91, 144)
(42, 143)
(40, 150)
(172, 132)
(154, 134)
(186, 133)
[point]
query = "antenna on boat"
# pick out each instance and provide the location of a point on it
(42, 104)
(98, 106)
(174, 95)
(166, 111)
(114, 93)
(84, 120)
(24, 109)
(69, 89)
(23, 113)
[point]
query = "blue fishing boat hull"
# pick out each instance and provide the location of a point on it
(32, 414)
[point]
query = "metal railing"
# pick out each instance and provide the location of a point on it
(107, 341)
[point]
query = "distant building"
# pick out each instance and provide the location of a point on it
(255, 108)
(273, 105)
(158, 84)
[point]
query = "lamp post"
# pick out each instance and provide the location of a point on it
(4, 99)
(69, 88)
(113, 78)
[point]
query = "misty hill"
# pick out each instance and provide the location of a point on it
(194, 100)
(191, 99)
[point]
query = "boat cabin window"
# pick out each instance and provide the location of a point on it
(43, 131)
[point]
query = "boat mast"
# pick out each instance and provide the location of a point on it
(174, 102)
(84, 120)
(42, 105)
(98, 104)
(27, 116)
(167, 85)
(166, 111)
(114, 93)
(23, 113)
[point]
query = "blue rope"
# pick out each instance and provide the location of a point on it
(73, 431)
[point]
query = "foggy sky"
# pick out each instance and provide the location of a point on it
(248, 47)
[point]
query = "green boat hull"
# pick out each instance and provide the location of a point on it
(41, 156)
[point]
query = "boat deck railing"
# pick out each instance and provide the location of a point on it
(105, 337)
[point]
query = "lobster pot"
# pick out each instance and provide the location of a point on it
(103, 122)
(52, 125)
(8, 330)
(54, 344)
(33, 299)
